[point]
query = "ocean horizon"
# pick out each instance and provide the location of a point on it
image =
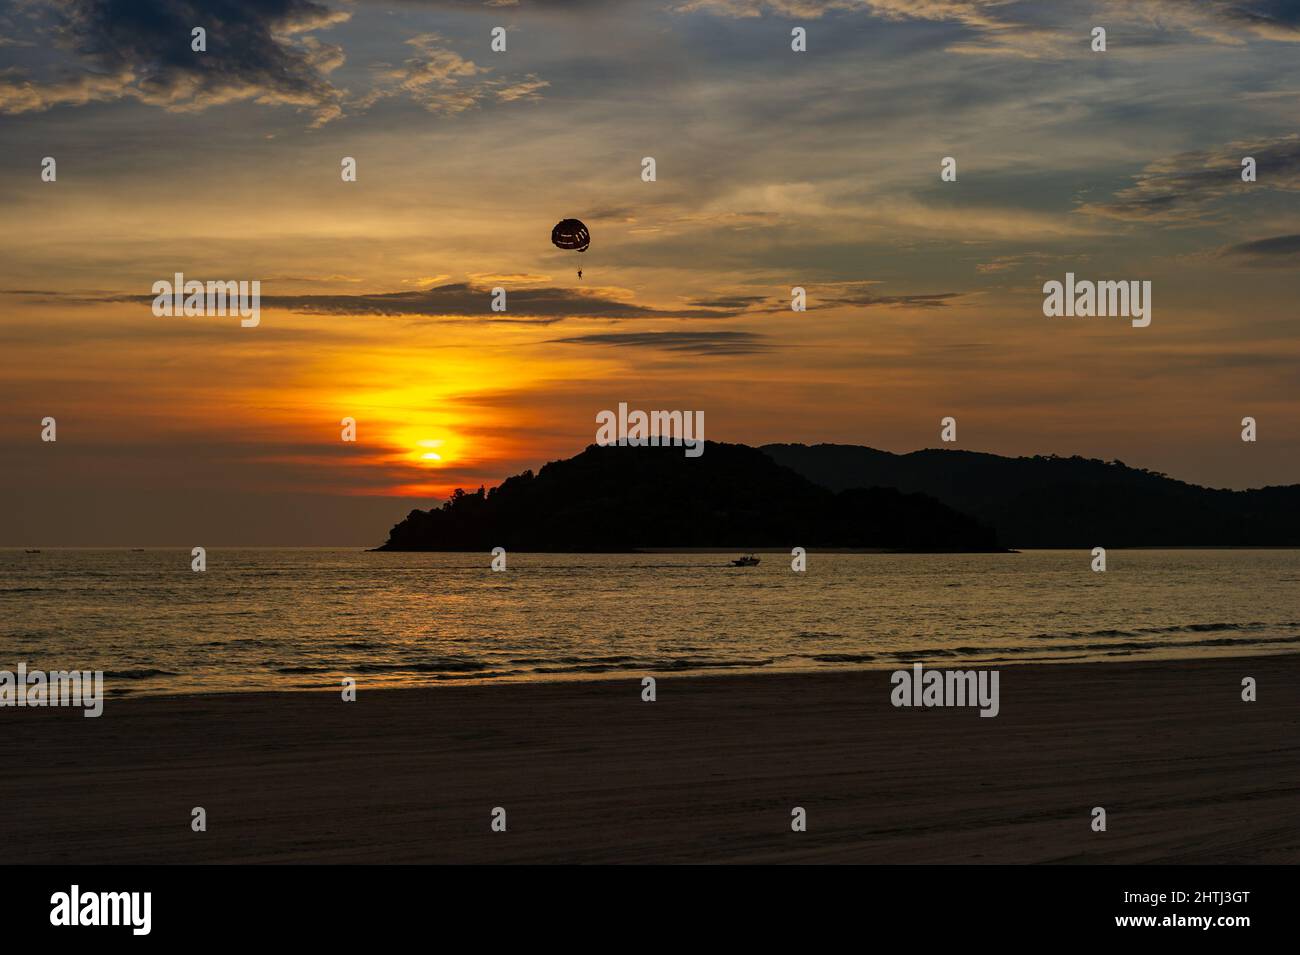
(306, 618)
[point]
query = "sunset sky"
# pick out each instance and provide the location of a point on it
(775, 169)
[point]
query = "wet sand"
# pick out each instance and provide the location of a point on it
(587, 772)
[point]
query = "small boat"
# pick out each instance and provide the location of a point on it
(33, 552)
(747, 561)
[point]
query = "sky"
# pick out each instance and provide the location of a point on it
(774, 169)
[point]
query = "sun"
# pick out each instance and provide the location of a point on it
(429, 455)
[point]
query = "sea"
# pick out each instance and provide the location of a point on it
(303, 619)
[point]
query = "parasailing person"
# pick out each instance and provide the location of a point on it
(572, 236)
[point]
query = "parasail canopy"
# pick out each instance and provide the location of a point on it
(570, 234)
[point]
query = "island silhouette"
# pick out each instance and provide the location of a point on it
(1051, 501)
(611, 499)
(618, 499)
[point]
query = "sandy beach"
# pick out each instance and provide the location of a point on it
(587, 772)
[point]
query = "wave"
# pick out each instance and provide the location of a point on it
(480, 669)
(433, 666)
(1129, 645)
(659, 665)
(140, 674)
(1177, 628)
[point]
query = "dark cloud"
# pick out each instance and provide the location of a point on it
(461, 299)
(731, 301)
(1016, 27)
(855, 294)
(860, 294)
(498, 6)
(256, 50)
(1279, 251)
(1271, 19)
(1184, 187)
(1275, 12)
(694, 343)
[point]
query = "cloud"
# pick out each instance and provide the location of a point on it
(141, 49)
(1279, 251)
(443, 81)
(1037, 30)
(1224, 21)
(257, 50)
(1186, 187)
(936, 300)
(826, 295)
(538, 305)
(860, 295)
(1006, 263)
(527, 88)
(532, 6)
(464, 300)
(738, 302)
(693, 343)
(990, 27)
(504, 278)
(456, 300)
(976, 13)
